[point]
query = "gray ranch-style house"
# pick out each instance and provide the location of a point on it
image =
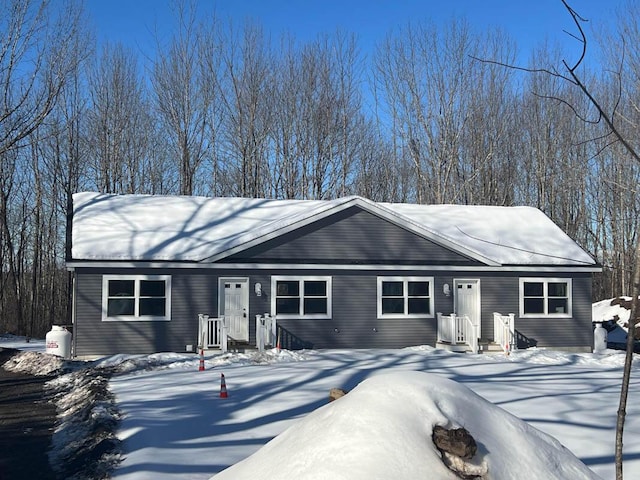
(178, 273)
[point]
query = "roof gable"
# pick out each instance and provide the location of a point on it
(351, 236)
(182, 228)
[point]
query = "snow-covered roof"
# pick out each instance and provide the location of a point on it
(190, 228)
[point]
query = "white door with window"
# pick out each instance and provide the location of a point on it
(234, 305)
(467, 299)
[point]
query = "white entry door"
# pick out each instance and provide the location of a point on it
(234, 305)
(467, 299)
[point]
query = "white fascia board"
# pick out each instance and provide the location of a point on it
(318, 266)
(366, 205)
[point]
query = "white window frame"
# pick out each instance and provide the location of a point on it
(405, 292)
(300, 279)
(545, 296)
(136, 316)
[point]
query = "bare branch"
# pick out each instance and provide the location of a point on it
(568, 104)
(553, 73)
(577, 19)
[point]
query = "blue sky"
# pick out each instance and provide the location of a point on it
(528, 22)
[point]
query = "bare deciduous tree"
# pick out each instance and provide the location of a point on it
(117, 123)
(436, 99)
(247, 117)
(183, 94)
(38, 55)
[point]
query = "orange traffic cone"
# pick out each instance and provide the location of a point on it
(201, 367)
(223, 387)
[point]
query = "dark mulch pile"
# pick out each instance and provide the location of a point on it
(27, 421)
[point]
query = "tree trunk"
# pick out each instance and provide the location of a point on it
(626, 376)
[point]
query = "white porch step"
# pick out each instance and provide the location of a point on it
(458, 348)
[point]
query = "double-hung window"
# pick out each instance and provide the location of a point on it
(301, 297)
(405, 297)
(545, 297)
(136, 297)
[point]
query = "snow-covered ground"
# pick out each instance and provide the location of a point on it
(176, 426)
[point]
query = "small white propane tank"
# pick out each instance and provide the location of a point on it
(599, 338)
(59, 342)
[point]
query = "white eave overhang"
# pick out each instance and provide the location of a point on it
(104, 264)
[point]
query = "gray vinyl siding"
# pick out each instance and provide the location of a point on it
(500, 292)
(576, 331)
(352, 236)
(353, 323)
(192, 292)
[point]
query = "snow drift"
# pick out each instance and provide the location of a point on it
(383, 429)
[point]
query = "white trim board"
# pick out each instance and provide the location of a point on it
(73, 265)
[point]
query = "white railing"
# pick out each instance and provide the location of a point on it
(456, 330)
(265, 331)
(212, 332)
(504, 332)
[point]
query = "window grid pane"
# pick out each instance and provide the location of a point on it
(556, 289)
(120, 306)
(418, 289)
(534, 305)
(419, 305)
(392, 305)
(121, 288)
(288, 288)
(287, 305)
(154, 307)
(152, 288)
(533, 289)
(558, 305)
(392, 289)
(315, 306)
(315, 288)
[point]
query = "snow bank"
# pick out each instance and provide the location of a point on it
(617, 310)
(611, 309)
(383, 429)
